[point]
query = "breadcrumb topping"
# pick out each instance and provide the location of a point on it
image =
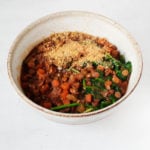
(72, 48)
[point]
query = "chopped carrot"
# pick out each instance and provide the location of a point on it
(125, 72)
(108, 71)
(64, 94)
(100, 67)
(108, 84)
(117, 94)
(64, 97)
(115, 79)
(88, 98)
(65, 86)
(55, 83)
(79, 76)
(95, 74)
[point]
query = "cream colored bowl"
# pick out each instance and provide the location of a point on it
(73, 21)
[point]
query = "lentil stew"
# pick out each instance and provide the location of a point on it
(74, 72)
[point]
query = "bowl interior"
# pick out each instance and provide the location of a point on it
(75, 21)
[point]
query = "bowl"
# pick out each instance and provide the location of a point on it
(87, 22)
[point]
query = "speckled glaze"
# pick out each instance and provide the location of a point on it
(87, 22)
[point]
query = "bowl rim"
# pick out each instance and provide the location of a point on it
(68, 13)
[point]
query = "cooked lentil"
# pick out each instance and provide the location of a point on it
(74, 72)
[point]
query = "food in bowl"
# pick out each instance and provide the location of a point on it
(74, 72)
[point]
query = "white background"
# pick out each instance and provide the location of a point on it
(21, 128)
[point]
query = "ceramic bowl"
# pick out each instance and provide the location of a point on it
(87, 22)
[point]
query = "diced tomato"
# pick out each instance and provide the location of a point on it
(63, 96)
(88, 98)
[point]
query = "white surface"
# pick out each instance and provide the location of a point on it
(22, 128)
(75, 21)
